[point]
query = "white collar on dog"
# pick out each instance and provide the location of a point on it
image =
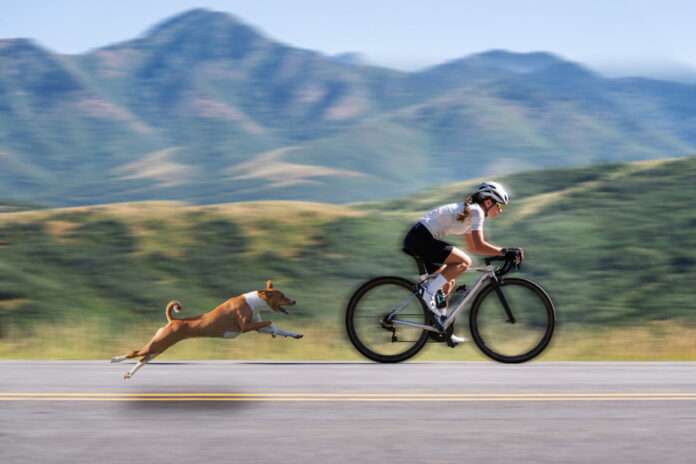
(256, 302)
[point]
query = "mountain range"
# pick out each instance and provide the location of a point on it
(206, 109)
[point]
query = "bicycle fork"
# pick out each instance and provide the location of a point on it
(506, 306)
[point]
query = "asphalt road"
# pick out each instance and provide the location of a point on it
(190, 412)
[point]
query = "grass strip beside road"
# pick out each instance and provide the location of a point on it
(326, 341)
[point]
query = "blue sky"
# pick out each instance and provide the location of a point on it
(616, 34)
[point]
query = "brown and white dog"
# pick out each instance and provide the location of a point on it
(230, 319)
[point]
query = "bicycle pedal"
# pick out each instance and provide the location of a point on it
(455, 340)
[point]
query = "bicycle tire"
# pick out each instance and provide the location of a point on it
(543, 342)
(354, 336)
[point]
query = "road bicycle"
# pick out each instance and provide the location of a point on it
(511, 319)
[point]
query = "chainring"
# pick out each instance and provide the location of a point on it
(442, 337)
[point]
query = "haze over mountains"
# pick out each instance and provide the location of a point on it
(205, 108)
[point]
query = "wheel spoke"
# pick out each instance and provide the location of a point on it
(513, 321)
(368, 308)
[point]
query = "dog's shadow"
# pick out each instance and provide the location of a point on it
(188, 399)
(155, 400)
(191, 399)
(186, 406)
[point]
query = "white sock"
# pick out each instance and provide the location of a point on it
(436, 284)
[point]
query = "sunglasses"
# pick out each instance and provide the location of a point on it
(500, 207)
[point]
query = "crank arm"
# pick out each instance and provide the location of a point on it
(415, 325)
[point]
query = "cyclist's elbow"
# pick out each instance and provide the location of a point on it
(478, 246)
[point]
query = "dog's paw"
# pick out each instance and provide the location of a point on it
(126, 376)
(298, 336)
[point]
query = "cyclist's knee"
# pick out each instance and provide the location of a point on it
(458, 268)
(459, 259)
(465, 263)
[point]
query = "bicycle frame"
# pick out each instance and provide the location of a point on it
(487, 273)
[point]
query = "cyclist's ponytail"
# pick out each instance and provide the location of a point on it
(461, 217)
(470, 199)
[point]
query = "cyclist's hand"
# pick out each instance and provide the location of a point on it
(521, 254)
(514, 254)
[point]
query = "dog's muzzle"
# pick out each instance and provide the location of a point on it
(285, 311)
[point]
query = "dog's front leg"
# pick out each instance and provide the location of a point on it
(249, 326)
(275, 331)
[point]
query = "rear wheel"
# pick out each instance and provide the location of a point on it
(512, 321)
(368, 325)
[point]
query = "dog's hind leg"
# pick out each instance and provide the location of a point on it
(140, 364)
(132, 354)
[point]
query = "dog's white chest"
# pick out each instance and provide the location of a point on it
(255, 302)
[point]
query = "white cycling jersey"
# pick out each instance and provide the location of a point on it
(443, 220)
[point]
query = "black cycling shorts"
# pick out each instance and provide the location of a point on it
(432, 251)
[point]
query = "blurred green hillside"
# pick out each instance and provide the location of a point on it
(614, 245)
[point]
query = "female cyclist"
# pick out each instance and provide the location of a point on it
(446, 261)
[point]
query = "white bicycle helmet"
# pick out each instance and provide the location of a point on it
(495, 191)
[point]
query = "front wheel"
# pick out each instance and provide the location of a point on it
(512, 320)
(368, 320)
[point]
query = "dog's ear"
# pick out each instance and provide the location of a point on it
(269, 285)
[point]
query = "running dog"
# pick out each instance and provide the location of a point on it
(235, 316)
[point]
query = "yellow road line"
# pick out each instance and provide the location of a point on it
(363, 400)
(349, 394)
(378, 400)
(345, 397)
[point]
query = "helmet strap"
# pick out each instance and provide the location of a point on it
(487, 209)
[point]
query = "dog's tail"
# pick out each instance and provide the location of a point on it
(172, 306)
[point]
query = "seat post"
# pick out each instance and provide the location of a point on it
(422, 270)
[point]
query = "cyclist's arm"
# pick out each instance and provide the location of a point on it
(478, 244)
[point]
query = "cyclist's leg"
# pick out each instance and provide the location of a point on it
(447, 288)
(455, 264)
(442, 260)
